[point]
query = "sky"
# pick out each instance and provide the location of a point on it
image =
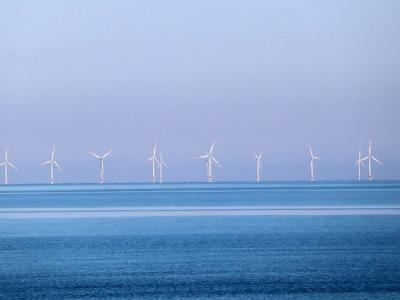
(271, 76)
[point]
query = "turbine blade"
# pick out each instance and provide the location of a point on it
(212, 147)
(95, 155)
(203, 156)
(315, 157)
(107, 154)
(46, 163)
(360, 162)
(2, 164)
(161, 160)
(213, 158)
(309, 147)
(11, 165)
(58, 166)
(376, 160)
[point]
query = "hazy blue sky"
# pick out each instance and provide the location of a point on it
(267, 76)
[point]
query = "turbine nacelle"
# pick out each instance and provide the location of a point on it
(312, 155)
(100, 157)
(360, 162)
(258, 157)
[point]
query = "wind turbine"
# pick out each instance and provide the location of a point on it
(369, 157)
(210, 158)
(312, 164)
(52, 163)
(360, 163)
(154, 161)
(161, 165)
(6, 163)
(258, 165)
(101, 160)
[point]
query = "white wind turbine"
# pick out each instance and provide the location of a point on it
(161, 165)
(312, 178)
(360, 163)
(210, 158)
(369, 157)
(101, 160)
(258, 165)
(6, 163)
(52, 163)
(154, 161)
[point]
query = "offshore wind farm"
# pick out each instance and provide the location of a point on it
(200, 149)
(157, 161)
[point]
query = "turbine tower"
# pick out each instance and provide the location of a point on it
(369, 157)
(209, 159)
(360, 163)
(101, 161)
(161, 165)
(6, 163)
(52, 163)
(258, 165)
(312, 178)
(154, 161)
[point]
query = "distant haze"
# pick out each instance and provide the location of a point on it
(268, 76)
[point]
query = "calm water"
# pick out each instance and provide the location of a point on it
(242, 257)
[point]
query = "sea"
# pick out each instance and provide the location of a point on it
(228, 240)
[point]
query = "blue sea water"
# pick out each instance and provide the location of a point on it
(203, 257)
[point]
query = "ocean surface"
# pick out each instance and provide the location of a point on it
(286, 240)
